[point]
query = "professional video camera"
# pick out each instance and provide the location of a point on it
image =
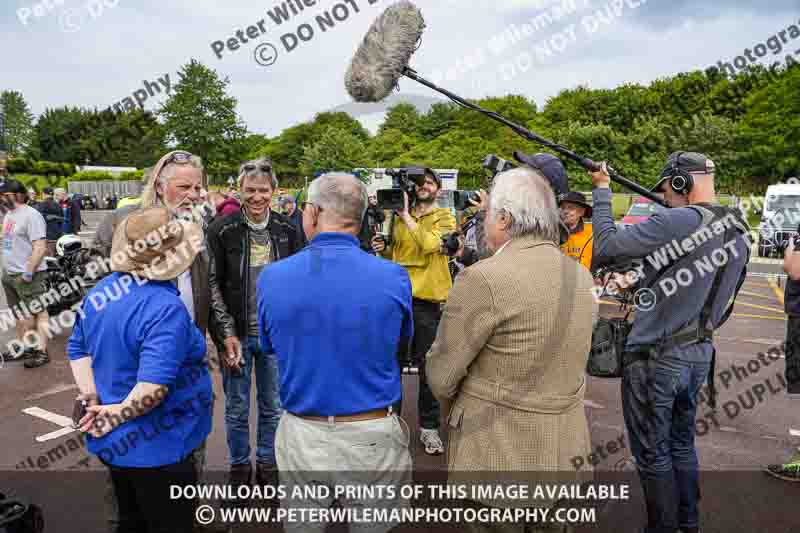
(406, 180)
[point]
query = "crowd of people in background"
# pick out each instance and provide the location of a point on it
(501, 350)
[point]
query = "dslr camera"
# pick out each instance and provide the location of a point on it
(495, 165)
(406, 180)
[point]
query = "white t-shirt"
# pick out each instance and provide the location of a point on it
(21, 227)
(185, 288)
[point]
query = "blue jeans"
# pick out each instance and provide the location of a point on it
(659, 405)
(237, 404)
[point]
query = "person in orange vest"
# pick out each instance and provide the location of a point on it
(574, 208)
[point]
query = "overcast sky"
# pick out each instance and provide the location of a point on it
(68, 57)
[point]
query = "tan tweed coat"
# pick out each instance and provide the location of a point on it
(509, 363)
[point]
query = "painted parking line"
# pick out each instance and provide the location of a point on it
(762, 307)
(59, 420)
(744, 315)
(794, 433)
(776, 290)
(756, 295)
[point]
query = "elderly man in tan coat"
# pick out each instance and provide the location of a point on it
(510, 354)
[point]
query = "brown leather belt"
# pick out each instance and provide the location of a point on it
(358, 417)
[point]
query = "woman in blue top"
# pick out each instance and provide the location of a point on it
(139, 359)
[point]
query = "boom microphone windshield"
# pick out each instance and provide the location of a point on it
(383, 58)
(385, 52)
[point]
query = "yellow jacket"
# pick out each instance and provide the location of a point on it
(579, 245)
(419, 253)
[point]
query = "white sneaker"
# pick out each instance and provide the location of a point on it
(433, 443)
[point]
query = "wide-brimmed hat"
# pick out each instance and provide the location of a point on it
(153, 245)
(576, 197)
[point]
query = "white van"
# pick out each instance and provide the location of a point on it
(779, 218)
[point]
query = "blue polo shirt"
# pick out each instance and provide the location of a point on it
(334, 315)
(143, 332)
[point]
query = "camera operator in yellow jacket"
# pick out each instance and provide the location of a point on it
(574, 208)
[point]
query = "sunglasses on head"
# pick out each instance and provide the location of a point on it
(179, 157)
(251, 168)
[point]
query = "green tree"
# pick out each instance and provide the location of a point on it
(18, 122)
(769, 133)
(335, 149)
(403, 117)
(81, 136)
(200, 117)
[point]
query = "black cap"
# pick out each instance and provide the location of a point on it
(576, 197)
(13, 186)
(550, 166)
(48, 191)
(687, 162)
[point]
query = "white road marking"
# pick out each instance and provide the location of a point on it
(794, 433)
(55, 434)
(56, 419)
(729, 429)
(593, 405)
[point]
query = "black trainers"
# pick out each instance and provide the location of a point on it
(266, 474)
(240, 475)
(36, 359)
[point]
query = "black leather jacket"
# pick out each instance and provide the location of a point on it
(229, 248)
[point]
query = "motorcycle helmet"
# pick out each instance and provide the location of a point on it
(68, 243)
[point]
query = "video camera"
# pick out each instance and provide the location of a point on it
(406, 180)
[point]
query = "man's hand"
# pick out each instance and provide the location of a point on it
(600, 178)
(482, 202)
(100, 420)
(791, 261)
(378, 244)
(233, 354)
(404, 214)
(26, 277)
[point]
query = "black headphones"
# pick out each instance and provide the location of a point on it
(680, 181)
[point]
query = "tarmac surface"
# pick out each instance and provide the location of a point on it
(755, 424)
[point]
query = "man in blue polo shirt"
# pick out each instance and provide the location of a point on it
(335, 343)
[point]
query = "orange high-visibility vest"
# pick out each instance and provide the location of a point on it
(579, 245)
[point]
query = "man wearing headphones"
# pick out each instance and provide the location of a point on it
(694, 261)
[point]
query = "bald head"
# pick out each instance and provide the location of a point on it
(337, 204)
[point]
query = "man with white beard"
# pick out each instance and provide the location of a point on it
(176, 182)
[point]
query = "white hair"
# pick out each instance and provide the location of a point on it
(340, 193)
(168, 172)
(149, 195)
(529, 200)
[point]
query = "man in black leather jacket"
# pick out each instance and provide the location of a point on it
(240, 246)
